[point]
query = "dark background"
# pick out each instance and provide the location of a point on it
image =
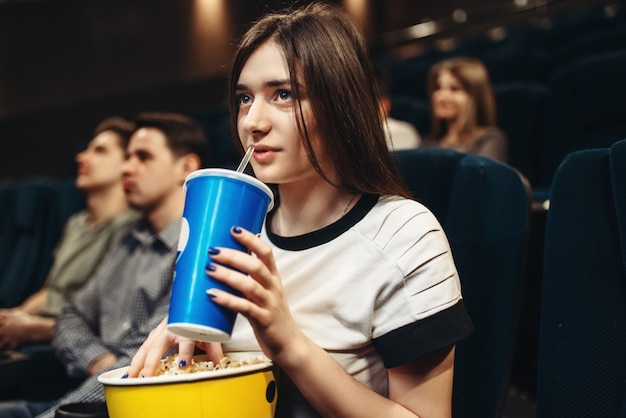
(67, 64)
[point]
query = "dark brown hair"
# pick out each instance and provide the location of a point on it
(326, 49)
(183, 134)
(123, 127)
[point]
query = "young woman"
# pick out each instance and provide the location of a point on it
(463, 109)
(351, 288)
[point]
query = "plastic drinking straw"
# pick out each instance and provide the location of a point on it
(245, 160)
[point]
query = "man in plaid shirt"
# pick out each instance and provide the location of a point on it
(128, 296)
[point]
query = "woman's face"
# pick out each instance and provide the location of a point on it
(267, 118)
(449, 97)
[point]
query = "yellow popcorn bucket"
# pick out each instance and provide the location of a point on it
(241, 392)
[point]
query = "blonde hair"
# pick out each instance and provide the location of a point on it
(481, 109)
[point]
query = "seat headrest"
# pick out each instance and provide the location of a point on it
(429, 174)
(30, 202)
(618, 184)
(596, 107)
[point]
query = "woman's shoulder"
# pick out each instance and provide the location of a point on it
(394, 214)
(496, 131)
(492, 143)
(405, 231)
(392, 202)
(492, 133)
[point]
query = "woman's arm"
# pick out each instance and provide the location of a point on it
(425, 385)
(419, 389)
(322, 381)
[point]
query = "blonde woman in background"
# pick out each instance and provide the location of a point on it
(463, 109)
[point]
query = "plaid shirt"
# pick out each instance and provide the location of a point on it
(126, 298)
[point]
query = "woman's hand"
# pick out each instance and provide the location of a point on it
(263, 302)
(149, 355)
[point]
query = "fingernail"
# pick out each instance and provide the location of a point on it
(236, 230)
(125, 376)
(142, 376)
(211, 267)
(211, 293)
(182, 364)
(214, 251)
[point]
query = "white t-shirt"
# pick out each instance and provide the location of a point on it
(401, 135)
(376, 289)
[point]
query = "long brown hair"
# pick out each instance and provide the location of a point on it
(481, 109)
(323, 45)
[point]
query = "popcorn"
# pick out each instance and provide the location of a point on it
(169, 365)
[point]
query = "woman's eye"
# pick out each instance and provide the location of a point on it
(244, 99)
(283, 95)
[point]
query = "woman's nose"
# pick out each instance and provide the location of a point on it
(256, 118)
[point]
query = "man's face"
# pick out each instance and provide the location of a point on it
(151, 172)
(100, 164)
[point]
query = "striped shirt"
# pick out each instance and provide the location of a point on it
(376, 289)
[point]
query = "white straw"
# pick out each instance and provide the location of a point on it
(245, 160)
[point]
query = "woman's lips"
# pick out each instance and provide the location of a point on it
(264, 154)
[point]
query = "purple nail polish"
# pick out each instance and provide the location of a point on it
(182, 364)
(125, 376)
(210, 267)
(237, 230)
(213, 251)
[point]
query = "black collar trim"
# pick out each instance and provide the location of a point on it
(328, 233)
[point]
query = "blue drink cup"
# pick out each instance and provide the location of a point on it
(216, 200)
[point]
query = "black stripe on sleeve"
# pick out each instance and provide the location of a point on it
(412, 341)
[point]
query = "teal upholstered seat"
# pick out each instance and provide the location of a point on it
(483, 206)
(36, 211)
(582, 340)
